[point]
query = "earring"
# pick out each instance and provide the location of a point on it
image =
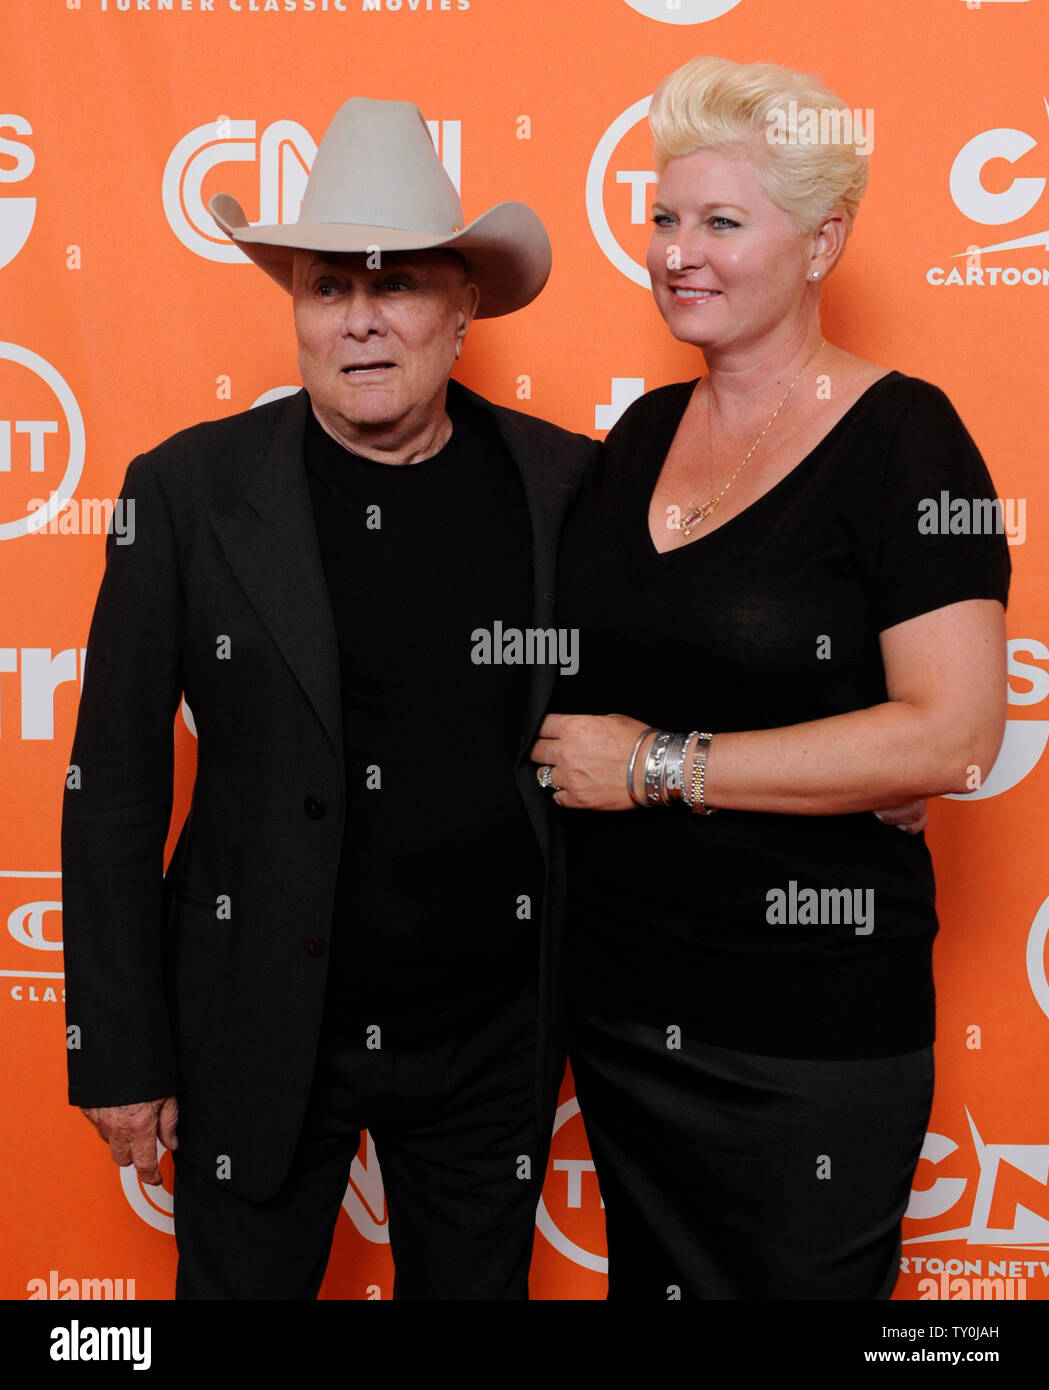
(815, 275)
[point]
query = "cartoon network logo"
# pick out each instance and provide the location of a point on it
(28, 453)
(682, 11)
(284, 153)
(1029, 1229)
(1025, 739)
(975, 201)
(16, 214)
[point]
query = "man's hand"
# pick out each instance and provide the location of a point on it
(131, 1132)
(912, 817)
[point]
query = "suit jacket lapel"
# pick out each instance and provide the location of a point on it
(270, 542)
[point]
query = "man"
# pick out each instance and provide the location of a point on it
(358, 925)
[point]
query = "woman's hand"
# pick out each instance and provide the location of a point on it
(588, 756)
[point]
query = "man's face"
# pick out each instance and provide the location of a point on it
(376, 347)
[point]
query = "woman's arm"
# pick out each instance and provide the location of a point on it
(938, 732)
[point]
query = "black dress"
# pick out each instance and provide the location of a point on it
(721, 961)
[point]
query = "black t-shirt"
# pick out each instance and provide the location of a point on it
(439, 852)
(770, 620)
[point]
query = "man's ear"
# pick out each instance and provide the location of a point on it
(471, 297)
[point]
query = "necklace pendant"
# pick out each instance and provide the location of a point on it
(695, 515)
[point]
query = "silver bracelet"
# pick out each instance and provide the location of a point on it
(633, 759)
(654, 767)
(673, 785)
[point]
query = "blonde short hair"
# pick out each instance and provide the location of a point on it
(716, 104)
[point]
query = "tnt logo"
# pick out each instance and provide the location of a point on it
(42, 441)
(1025, 739)
(618, 191)
(682, 11)
(569, 1212)
(16, 164)
(283, 154)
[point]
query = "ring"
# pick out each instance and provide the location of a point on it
(545, 777)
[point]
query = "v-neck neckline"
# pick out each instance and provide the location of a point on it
(641, 495)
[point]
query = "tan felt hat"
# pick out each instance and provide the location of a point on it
(377, 181)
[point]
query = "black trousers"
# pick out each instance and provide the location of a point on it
(452, 1114)
(732, 1176)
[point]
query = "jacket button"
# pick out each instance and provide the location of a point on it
(314, 807)
(313, 946)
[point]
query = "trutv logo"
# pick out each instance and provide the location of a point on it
(281, 154)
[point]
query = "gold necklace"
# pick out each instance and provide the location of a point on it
(697, 513)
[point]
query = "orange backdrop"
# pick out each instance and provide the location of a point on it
(126, 316)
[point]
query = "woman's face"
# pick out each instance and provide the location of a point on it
(728, 266)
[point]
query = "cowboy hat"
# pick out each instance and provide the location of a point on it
(377, 182)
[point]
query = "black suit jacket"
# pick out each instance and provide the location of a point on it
(210, 985)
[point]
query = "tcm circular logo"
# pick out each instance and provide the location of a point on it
(619, 187)
(569, 1214)
(42, 441)
(682, 11)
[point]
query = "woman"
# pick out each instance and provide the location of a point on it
(752, 990)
